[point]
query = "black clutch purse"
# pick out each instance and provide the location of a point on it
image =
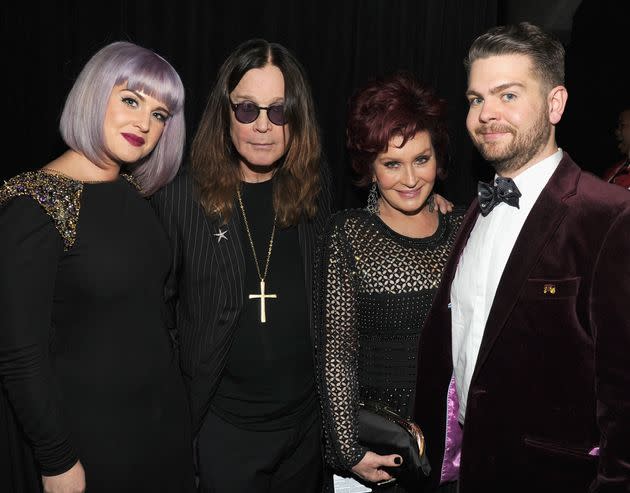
(384, 432)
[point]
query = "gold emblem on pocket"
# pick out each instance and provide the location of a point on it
(549, 289)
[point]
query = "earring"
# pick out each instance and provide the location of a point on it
(372, 200)
(431, 202)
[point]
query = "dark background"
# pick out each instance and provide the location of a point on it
(341, 43)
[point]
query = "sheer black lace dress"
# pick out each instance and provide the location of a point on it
(375, 289)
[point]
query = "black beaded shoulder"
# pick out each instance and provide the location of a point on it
(59, 196)
(131, 179)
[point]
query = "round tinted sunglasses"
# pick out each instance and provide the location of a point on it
(247, 112)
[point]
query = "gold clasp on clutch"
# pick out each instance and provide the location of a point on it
(412, 428)
(549, 289)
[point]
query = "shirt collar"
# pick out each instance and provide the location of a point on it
(531, 181)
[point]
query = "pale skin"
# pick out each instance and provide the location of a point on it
(387, 167)
(260, 144)
(405, 176)
(129, 115)
(133, 125)
(508, 107)
(71, 481)
(370, 467)
(443, 205)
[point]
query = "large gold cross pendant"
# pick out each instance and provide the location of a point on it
(262, 296)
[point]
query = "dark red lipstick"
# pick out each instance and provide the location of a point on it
(134, 140)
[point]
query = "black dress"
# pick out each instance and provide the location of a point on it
(87, 366)
(375, 290)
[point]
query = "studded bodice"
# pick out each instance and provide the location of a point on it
(376, 288)
(58, 194)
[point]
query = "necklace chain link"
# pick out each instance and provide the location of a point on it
(251, 242)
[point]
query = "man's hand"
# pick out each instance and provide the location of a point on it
(441, 203)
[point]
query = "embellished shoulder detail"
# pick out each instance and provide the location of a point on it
(59, 196)
(130, 178)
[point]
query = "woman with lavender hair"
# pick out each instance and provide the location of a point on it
(90, 391)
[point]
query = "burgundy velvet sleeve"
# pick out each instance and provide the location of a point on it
(611, 322)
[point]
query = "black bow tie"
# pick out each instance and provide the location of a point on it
(505, 190)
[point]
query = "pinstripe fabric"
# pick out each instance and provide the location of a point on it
(206, 282)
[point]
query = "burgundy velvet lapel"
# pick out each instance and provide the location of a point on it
(543, 220)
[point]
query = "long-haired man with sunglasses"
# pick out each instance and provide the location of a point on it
(243, 225)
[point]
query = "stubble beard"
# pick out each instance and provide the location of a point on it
(521, 150)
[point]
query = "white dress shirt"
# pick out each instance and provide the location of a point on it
(481, 266)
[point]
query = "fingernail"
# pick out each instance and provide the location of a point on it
(398, 460)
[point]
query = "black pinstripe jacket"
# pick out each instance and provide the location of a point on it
(206, 282)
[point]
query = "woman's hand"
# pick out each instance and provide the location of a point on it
(369, 468)
(71, 481)
(441, 203)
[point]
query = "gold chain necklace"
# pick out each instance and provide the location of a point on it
(261, 296)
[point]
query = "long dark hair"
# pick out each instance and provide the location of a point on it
(215, 161)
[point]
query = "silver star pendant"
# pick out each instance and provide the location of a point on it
(220, 235)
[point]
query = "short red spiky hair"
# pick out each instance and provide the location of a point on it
(390, 106)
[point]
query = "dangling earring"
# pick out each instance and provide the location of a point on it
(372, 200)
(431, 202)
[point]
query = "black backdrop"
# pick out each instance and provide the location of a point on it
(341, 43)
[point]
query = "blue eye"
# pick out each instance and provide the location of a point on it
(130, 101)
(160, 116)
(391, 164)
(509, 96)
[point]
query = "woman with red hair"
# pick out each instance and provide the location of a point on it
(379, 267)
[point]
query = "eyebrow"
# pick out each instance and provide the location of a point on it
(143, 98)
(386, 157)
(253, 99)
(499, 88)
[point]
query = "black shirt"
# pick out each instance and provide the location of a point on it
(268, 381)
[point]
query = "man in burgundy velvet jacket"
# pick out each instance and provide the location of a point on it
(524, 362)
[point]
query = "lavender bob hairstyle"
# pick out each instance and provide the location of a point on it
(143, 70)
